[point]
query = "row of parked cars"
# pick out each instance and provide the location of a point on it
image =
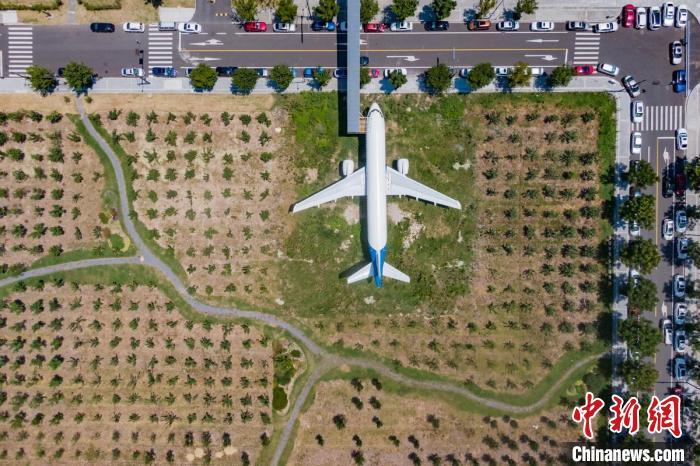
(654, 17)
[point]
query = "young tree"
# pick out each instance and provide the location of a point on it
(639, 209)
(397, 79)
(246, 10)
(402, 9)
(641, 335)
(642, 174)
(438, 78)
(282, 76)
(519, 75)
(244, 80)
(694, 251)
(365, 77)
(481, 75)
(443, 8)
(484, 7)
(641, 254)
(524, 6)
(639, 376)
(41, 79)
(692, 171)
(368, 10)
(326, 10)
(79, 76)
(642, 295)
(203, 77)
(286, 11)
(560, 76)
(322, 77)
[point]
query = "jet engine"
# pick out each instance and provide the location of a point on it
(402, 166)
(347, 168)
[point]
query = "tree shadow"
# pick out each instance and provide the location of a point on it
(426, 14)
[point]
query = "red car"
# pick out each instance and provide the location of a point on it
(374, 27)
(627, 18)
(255, 26)
(375, 73)
(584, 70)
(680, 184)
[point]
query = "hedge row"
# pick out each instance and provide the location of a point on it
(97, 5)
(41, 6)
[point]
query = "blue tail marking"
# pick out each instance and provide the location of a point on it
(377, 264)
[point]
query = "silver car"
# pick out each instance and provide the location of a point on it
(681, 221)
(654, 18)
(667, 329)
(679, 286)
(681, 341)
(680, 370)
(680, 313)
(676, 52)
(682, 248)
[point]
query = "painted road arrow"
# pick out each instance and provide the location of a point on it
(405, 57)
(539, 41)
(204, 59)
(666, 156)
(543, 57)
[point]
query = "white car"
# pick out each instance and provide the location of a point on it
(681, 341)
(640, 19)
(284, 27)
(501, 71)
(637, 111)
(189, 28)
(401, 26)
(464, 72)
(536, 71)
(636, 143)
(605, 27)
(607, 68)
(542, 26)
(667, 229)
(634, 229)
(681, 16)
(667, 328)
(508, 26)
(679, 286)
(680, 313)
(681, 221)
(682, 245)
(132, 72)
(676, 52)
(668, 14)
(654, 18)
(681, 139)
(388, 71)
(134, 27)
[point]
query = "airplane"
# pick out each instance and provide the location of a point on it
(376, 181)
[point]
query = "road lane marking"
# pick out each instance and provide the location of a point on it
(414, 50)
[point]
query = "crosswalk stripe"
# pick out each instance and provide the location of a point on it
(661, 118)
(20, 45)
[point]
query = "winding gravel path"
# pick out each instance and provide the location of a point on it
(326, 360)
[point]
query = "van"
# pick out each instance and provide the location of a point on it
(167, 26)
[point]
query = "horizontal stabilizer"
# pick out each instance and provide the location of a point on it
(392, 272)
(363, 273)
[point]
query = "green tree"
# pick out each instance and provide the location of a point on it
(286, 11)
(642, 174)
(203, 77)
(481, 75)
(247, 10)
(326, 10)
(639, 376)
(79, 76)
(397, 79)
(641, 335)
(524, 6)
(322, 77)
(560, 76)
(692, 171)
(282, 76)
(641, 254)
(244, 80)
(443, 8)
(438, 78)
(484, 7)
(365, 77)
(368, 10)
(641, 296)
(402, 9)
(639, 209)
(41, 79)
(519, 75)
(694, 252)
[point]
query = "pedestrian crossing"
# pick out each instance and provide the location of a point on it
(586, 48)
(20, 49)
(160, 47)
(661, 118)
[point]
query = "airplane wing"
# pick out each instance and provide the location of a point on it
(351, 185)
(401, 185)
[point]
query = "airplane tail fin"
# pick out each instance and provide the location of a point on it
(367, 271)
(363, 273)
(392, 272)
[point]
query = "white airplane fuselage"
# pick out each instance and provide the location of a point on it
(375, 185)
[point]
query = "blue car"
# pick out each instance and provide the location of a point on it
(164, 71)
(309, 72)
(323, 25)
(679, 81)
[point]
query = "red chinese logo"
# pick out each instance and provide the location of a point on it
(587, 412)
(665, 415)
(624, 415)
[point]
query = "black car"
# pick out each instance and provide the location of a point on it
(318, 25)
(225, 71)
(667, 183)
(102, 27)
(164, 71)
(59, 72)
(437, 25)
(364, 61)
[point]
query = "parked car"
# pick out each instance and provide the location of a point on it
(634, 229)
(631, 86)
(681, 139)
(59, 72)
(676, 50)
(102, 27)
(641, 18)
(682, 244)
(679, 286)
(576, 25)
(374, 27)
(375, 73)
(668, 14)
(323, 26)
(437, 25)
(225, 71)
(537, 71)
(679, 81)
(542, 26)
(584, 70)
(679, 184)
(667, 329)
(388, 71)
(262, 72)
(255, 26)
(628, 14)
(667, 229)
(508, 25)
(189, 28)
(479, 25)
(364, 60)
(188, 71)
(464, 72)
(681, 341)
(680, 371)
(610, 70)
(680, 312)
(636, 143)
(605, 27)
(667, 182)
(401, 26)
(637, 111)
(681, 221)
(164, 71)
(501, 71)
(654, 18)
(134, 27)
(284, 27)
(340, 73)
(681, 16)
(132, 72)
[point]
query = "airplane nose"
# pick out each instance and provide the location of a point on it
(375, 107)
